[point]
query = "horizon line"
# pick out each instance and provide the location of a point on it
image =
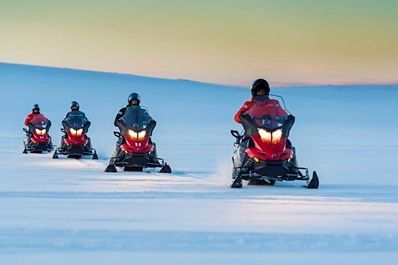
(278, 85)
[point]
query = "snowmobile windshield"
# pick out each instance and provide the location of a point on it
(268, 112)
(40, 121)
(76, 120)
(136, 118)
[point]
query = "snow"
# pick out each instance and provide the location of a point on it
(71, 212)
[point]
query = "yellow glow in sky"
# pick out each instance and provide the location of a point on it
(229, 42)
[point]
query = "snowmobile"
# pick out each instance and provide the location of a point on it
(37, 138)
(75, 143)
(136, 150)
(264, 153)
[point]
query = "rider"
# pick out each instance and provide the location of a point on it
(75, 111)
(133, 100)
(259, 103)
(260, 91)
(35, 113)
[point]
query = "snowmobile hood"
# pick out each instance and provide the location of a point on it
(76, 120)
(39, 121)
(136, 118)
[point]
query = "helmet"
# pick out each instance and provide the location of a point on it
(36, 108)
(134, 96)
(74, 105)
(258, 85)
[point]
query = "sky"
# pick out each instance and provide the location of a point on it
(220, 41)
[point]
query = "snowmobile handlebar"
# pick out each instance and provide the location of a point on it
(236, 134)
(117, 134)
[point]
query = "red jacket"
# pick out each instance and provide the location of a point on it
(30, 117)
(272, 107)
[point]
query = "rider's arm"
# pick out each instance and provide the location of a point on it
(48, 125)
(246, 106)
(151, 126)
(64, 120)
(87, 122)
(119, 115)
(85, 117)
(86, 126)
(28, 119)
(66, 116)
(149, 116)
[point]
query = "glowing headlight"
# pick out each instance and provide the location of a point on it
(141, 135)
(132, 134)
(276, 136)
(265, 136)
(76, 132)
(79, 132)
(40, 132)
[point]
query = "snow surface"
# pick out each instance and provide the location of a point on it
(71, 212)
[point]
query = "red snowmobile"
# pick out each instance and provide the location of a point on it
(264, 153)
(37, 138)
(136, 151)
(75, 143)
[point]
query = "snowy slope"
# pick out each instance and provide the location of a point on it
(70, 212)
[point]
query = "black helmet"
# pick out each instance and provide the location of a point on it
(134, 96)
(36, 108)
(74, 106)
(258, 85)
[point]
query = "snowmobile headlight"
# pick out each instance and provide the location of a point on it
(276, 136)
(40, 132)
(79, 132)
(73, 131)
(141, 135)
(265, 136)
(132, 134)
